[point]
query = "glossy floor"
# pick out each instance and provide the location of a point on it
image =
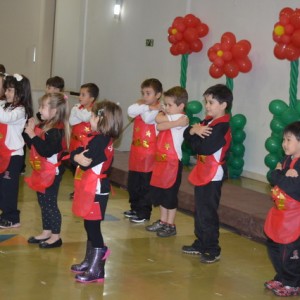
(141, 266)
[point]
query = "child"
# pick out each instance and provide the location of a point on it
(2, 76)
(282, 225)
(46, 142)
(80, 116)
(92, 186)
(211, 141)
(13, 114)
(166, 175)
(142, 151)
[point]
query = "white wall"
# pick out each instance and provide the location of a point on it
(113, 55)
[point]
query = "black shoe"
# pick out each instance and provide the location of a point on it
(130, 213)
(45, 245)
(166, 231)
(33, 240)
(138, 220)
(71, 196)
(207, 258)
(190, 250)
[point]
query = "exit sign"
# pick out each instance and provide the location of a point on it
(149, 42)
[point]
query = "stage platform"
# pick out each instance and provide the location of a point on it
(241, 209)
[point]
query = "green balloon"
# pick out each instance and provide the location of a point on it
(193, 107)
(238, 121)
(234, 173)
(277, 107)
(186, 148)
(277, 125)
(271, 160)
(289, 116)
(237, 163)
(185, 159)
(237, 149)
(238, 136)
(273, 144)
(298, 107)
(194, 120)
(268, 175)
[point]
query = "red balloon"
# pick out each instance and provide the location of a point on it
(190, 34)
(170, 30)
(217, 47)
(279, 51)
(296, 38)
(196, 46)
(191, 21)
(202, 30)
(179, 36)
(285, 39)
(231, 69)
(212, 55)
(287, 11)
(174, 50)
(291, 52)
(245, 64)
(172, 39)
(295, 19)
(229, 39)
(276, 38)
(289, 28)
(240, 50)
(215, 71)
(219, 62)
(284, 20)
(227, 56)
(178, 23)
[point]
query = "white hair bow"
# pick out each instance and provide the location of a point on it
(18, 77)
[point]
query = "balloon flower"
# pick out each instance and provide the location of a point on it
(286, 34)
(185, 34)
(229, 57)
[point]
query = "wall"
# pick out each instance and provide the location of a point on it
(90, 42)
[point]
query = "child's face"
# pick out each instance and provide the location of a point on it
(46, 112)
(214, 108)
(10, 94)
(51, 89)
(85, 98)
(171, 108)
(94, 122)
(149, 95)
(291, 145)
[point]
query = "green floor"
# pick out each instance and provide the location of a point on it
(141, 266)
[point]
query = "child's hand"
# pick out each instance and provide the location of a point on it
(183, 121)
(291, 173)
(82, 160)
(29, 129)
(278, 166)
(202, 131)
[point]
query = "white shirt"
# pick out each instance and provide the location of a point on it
(147, 115)
(15, 120)
(79, 115)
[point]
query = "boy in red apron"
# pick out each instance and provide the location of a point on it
(282, 225)
(210, 140)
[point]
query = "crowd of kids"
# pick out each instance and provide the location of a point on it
(155, 169)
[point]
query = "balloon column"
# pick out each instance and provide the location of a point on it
(228, 58)
(185, 36)
(286, 34)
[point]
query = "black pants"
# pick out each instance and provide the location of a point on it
(207, 199)
(93, 227)
(51, 216)
(9, 190)
(286, 262)
(139, 193)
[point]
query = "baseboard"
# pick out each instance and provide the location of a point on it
(255, 176)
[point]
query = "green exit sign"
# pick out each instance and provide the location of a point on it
(149, 42)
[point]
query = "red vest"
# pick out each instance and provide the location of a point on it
(85, 185)
(79, 136)
(166, 161)
(43, 172)
(142, 151)
(5, 153)
(283, 220)
(207, 166)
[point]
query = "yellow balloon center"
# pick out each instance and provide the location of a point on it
(220, 53)
(174, 31)
(279, 30)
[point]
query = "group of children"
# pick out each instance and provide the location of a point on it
(155, 168)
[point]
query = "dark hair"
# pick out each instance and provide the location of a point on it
(153, 83)
(294, 129)
(111, 119)
(57, 82)
(22, 92)
(92, 88)
(2, 69)
(179, 94)
(221, 93)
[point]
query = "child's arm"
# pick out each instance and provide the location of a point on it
(148, 113)
(81, 159)
(12, 116)
(164, 123)
(201, 130)
(79, 115)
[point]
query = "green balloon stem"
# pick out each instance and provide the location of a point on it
(183, 71)
(294, 73)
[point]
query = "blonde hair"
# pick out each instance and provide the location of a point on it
(59, 102)
(110, 118)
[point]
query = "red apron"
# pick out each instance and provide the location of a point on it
(79, 135)
(207, 166)
(43, 172)
(5, 153)
(282, 224)
(85, 185)
(166, 161)
(142, 151)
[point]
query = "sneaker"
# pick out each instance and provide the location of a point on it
(130, 213)
(8, 224)
(155, 226)
(287, 291)
(207, 258)
(190, 250)
(273, 284)
(138, 220)
(166, 231)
